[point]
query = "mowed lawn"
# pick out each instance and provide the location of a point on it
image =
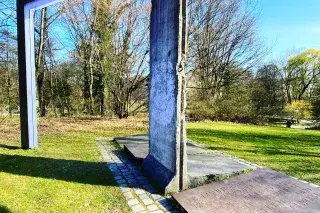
(291, 151)
(67, 174)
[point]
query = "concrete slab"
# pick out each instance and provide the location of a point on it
(204, 166)
(194, 149)
(262, 190)
(138, 146)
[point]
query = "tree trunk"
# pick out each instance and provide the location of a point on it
(40, 63)
(91, 56)
(9, 92)
(8, 82)
(86, 89)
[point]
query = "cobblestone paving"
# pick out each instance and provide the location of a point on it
(140, 195)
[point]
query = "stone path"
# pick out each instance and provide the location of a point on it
(140, 195)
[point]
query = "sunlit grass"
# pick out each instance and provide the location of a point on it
(66, 173)
(294, 152)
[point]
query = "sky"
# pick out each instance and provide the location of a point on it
(289, 25)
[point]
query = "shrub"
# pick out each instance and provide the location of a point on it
(200, 110)
(299, 110)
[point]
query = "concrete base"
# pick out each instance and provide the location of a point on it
(136, 146)
(159, 175)
(207, 168)
(204, 166)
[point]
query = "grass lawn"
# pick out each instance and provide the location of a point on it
(292, 151)
(67, 173)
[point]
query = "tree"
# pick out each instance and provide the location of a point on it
(81, 18)
(130, 68)
(234, 104)
(222, 43)
(45, 18)
(301, 72)
(8, 72)
(105, 30)
(315, 99)
(299, 110)
(268, 93)
(40, 60)
(9, 98)
(111, 43)
(8, 13)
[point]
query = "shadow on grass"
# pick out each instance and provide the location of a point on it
(4, 209)
(268, 151)
(258, 137)
(93, 173)
(264, 143)
(3, 146)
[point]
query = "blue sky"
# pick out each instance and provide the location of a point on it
(289, 24)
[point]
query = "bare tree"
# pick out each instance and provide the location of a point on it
(111, 42)
(127, 77)
(8, 13)
(81, 19)
(44, 19)
(8, 56)
(223, 43)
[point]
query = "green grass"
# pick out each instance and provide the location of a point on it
(65, 174)
(294, 152)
